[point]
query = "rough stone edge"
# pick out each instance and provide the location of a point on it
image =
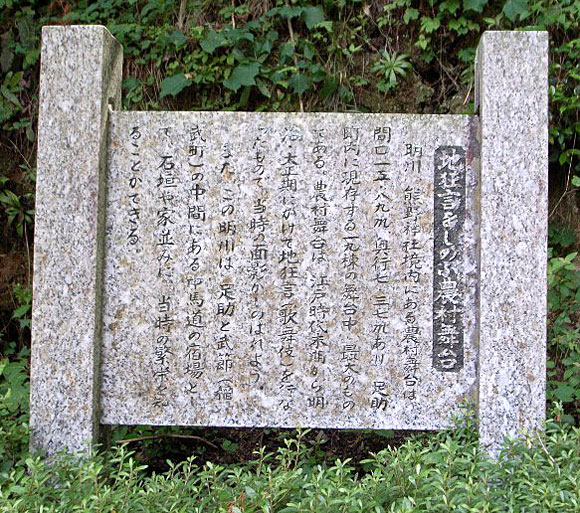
(81, 72)
(511, 92)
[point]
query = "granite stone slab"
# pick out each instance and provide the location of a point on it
(80, 72)
(282, 269)
(512, 95)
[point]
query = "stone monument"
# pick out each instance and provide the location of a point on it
(287, 269)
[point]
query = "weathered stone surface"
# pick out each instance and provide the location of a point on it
(254, 269)
(80, 76)
(512, 95)
(277, 269)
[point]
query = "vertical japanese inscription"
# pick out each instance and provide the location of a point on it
(318, 346)
(134, 193)
(382, 262)
(284, 273)
(196, 351)
(415, 273)
(448, 275)
(351, 272)
(165, 219)
(225, 341)
(289, 260)
(260, 255)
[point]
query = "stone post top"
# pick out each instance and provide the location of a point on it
(94, 29)
(514, 33)
(499, 45)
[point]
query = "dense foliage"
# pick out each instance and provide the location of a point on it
(443, 473)
(344, 55)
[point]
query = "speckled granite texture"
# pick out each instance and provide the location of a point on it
(80, 75)
(277, 270)
(512, 95)
(261, 269)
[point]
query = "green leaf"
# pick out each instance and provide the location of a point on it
(467, 55)
(6, 54)
(26, 31)
(566, 156)
(236, 35)
(450, 6)
(568, 419)
(330, 86)
(263, 88)
(229, 446)
(212, 41)
(312, 16)
(410, 14)
(9, 198)
(308, 52)
(172, 86)
(243, 75)
(21, 311)
(565, 393)
(177, 38)
(326, 25)
(286, 12)
(9, 95)
(474, 5)
(430, 24)
(300, 83)
(130, 83)
(287, 50)
(514, 8)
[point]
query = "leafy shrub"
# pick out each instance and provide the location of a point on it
(564, 332)
(445, 472)
(14, 392)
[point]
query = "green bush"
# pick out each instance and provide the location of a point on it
(442, 472)
(564, 333)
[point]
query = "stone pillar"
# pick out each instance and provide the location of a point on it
(80, 75)
(512, 95)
